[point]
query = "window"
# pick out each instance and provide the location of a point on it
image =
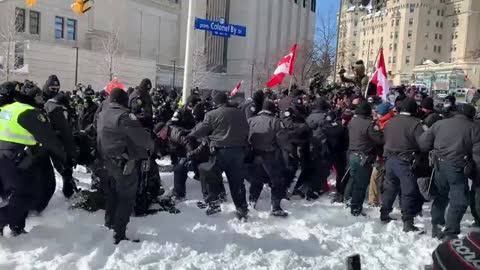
(409, 45)
(354, 33)
(390, 46)
(71, 29)
(436, 36)
(296, 1)
(436, 24)
(394, 60)
(396, 34)
(20, 19)
(304, 3)
(428, 22)
(443, 12)
(313, 8)
(410, 21)
(34, 22)
(393, 22)
(439, 49)
(410, 33)
(440, 36)
(412, 8)
(407, 60)
(389, 60)
(59, 27)
(397, 23)
(19, 56)
(441, 24)
(395, 46)
(438, 12)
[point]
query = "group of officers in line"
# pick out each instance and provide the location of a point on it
(265, 140)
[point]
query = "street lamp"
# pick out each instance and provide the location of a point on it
(174, 70)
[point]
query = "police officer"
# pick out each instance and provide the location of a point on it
(263, 138)
(400, 150)
(123, 143)
(251, 107)
(140, 102)
(364, 135)
(24, 135)
(318, 166)
(427, 113)
(455, 142)
(227, 130)
(57, 113)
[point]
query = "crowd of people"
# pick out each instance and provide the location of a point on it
(291, 141)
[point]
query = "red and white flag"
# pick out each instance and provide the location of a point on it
(380, 78)
(236, 89)
(285, 66)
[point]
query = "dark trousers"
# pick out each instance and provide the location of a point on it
(452, 191)
(318, 173)
(269, 164)
(180, 175)
(230, 161)
(360, 178)
(475, 201)
(121, 191)
(43, 176)
(17, 182)
(339, 161)
(400, 177)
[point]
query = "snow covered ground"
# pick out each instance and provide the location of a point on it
(317, 235)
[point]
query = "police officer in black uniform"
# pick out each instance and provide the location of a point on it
(263, 138)
(251, 107)
(364, 136)
(400, 150)
(25, 135)
(57, 113)
(141, 104)
(227, 130)
(123, 143)
(456, 149)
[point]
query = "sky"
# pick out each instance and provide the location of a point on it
(326, 6)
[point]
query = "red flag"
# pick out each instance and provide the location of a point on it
(380, 77)
(285, 66)
(236, 89)
(115, 83)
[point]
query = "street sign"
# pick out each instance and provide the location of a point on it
(220, 29)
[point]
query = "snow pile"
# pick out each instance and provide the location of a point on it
(317, 235)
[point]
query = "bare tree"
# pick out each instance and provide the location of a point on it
(262, 73)
(11, 45)
(200, 72)
(306, 64)
(111, 49)
(326, 44)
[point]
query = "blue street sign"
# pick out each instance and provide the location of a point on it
(220, 29)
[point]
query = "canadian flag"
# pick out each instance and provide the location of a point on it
(115, 83)
(380, 77)
(285, 66)
(236, 89)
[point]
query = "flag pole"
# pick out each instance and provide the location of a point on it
(370, 79)
(187, 72)
(290, 84)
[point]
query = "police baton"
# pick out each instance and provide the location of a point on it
(345, 175)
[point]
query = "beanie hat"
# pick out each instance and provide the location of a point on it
(427, 103)
(467, 110)
(145, 84)
(347, 115)
(119, 96)
(220, 98)
(321, 105)
(29, 89)
(8, 89)
(409, 105)
(383, 108)
(268, 105)
(363, 109)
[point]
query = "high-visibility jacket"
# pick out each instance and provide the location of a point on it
(10, 129)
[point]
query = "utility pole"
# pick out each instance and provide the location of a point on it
(76, 66)
(251, 79)
(174, 70)
(187, 73)
(338, 37)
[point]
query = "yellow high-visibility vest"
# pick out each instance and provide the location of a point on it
(10, 129)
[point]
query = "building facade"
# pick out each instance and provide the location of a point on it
(133, 39)
(425, 41)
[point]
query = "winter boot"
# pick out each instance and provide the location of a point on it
(117, 241)
(252, 204)
(437, 232)
(222, 197)
(298, 193)
(385, 219)
(242, 214)
(337, 198)
(213, 208)
(277, 210)
(408, 226)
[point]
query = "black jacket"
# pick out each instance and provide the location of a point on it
(58, 116)
(87, 116)
(225, 127)
(401, 134)
(119, 132)
(364, 136)
(453, 139)
(264, 129)
(141, 104)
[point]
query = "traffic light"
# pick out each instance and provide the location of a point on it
(30, 3)
(80, 6)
